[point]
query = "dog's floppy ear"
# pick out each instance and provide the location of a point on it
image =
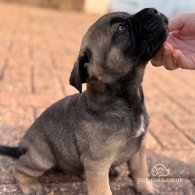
(79, 73)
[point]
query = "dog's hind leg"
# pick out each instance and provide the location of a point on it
(97, 178)
(139, 171)
(29, 185)
(27, 171)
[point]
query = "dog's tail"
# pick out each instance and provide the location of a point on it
(13, 152)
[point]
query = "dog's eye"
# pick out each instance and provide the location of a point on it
(121, 28)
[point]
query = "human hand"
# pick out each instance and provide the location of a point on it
(179, 48)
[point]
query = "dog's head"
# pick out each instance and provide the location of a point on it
(117, 45)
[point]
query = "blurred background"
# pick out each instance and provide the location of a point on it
(168, 7)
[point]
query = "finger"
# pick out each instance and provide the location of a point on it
(176, 23)
(160, 58)
(171, 66)
(169, 62)
(157, 59)
(182, 61)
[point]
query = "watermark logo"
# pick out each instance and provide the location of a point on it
(159, 170)
(160, 173)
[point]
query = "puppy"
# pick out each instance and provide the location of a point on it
(105, 125)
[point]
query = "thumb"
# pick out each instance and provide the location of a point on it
(176, 23)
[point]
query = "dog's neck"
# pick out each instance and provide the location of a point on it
(127, 87)
(119, 89)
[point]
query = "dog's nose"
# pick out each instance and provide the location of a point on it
(153, 11)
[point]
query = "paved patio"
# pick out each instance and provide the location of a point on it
(37, 50)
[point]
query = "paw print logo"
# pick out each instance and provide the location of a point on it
(159, 170)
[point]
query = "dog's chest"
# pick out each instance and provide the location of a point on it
(130, 144)
(142, 127)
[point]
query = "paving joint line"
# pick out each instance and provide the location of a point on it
(178, 128)
(177, 77)
(34, 112)
(156, 138)
(4, 68)
(32, 80)
(61, 86)
(173, 100)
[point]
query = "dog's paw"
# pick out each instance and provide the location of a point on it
(146, 188)
(36, 193)
(34, 189)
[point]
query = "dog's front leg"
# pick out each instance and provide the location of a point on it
(97, 178)
(139, 171)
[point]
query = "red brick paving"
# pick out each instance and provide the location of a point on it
(38, 48)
